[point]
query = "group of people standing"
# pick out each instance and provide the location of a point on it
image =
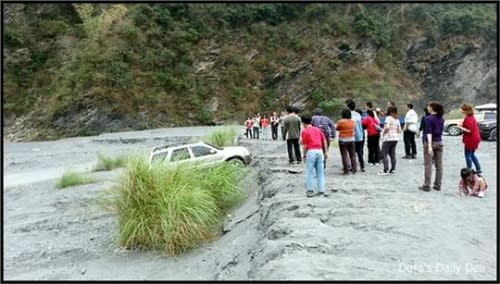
(317, 131)
(257, 124)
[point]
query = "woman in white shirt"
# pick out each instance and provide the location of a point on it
(409, 131)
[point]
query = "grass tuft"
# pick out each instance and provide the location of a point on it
(224, 136)
(71, 179)
(107, 163)
(173, 208)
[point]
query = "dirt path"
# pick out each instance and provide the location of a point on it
(371, 227)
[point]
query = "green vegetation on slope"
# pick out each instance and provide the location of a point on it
(149, 65)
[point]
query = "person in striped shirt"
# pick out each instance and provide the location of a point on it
(326, 125)
(390, 136)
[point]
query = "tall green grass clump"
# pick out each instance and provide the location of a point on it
(71, 179)
(222, 181)
(173, 208)
(105, 163)
(224, 136)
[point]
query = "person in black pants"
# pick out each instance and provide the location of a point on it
(371, 124)
(359, 145)
(409, 131)
(274, 126)
(292, 131)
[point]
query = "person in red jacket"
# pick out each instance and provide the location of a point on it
(371, 123)
(265, 127)
(470, 137)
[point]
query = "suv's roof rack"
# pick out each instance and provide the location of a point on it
(158, 148)
(162, 147)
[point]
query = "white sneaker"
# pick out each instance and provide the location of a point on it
(480, 194)
(382, 173)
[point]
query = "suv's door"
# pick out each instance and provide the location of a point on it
(180, 155)
(158, 157)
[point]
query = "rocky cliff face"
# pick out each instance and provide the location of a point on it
(454, 71)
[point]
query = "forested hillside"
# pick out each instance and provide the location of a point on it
(84, 68)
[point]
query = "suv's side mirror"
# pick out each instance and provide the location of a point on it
(212, 151)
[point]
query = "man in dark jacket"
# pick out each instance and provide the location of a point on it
(292, 124)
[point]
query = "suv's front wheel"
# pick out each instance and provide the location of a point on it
(236, 161)
(454, 130)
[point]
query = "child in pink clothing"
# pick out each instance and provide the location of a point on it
(471, 183)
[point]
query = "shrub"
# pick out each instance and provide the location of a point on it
(71, 179)
(221, 182)
(341, 26)
(377, 29)
(12, 37)
(38, 58)
(53, 28)
(172, 208)
(333, 106)
(107, 163)
(204, 116)
(221, 137)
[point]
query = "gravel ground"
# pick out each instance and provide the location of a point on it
(370, 227)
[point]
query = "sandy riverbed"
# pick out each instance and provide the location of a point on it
(371, 227)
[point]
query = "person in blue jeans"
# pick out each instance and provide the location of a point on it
(315, 152)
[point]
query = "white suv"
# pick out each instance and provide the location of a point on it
(200, 152)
